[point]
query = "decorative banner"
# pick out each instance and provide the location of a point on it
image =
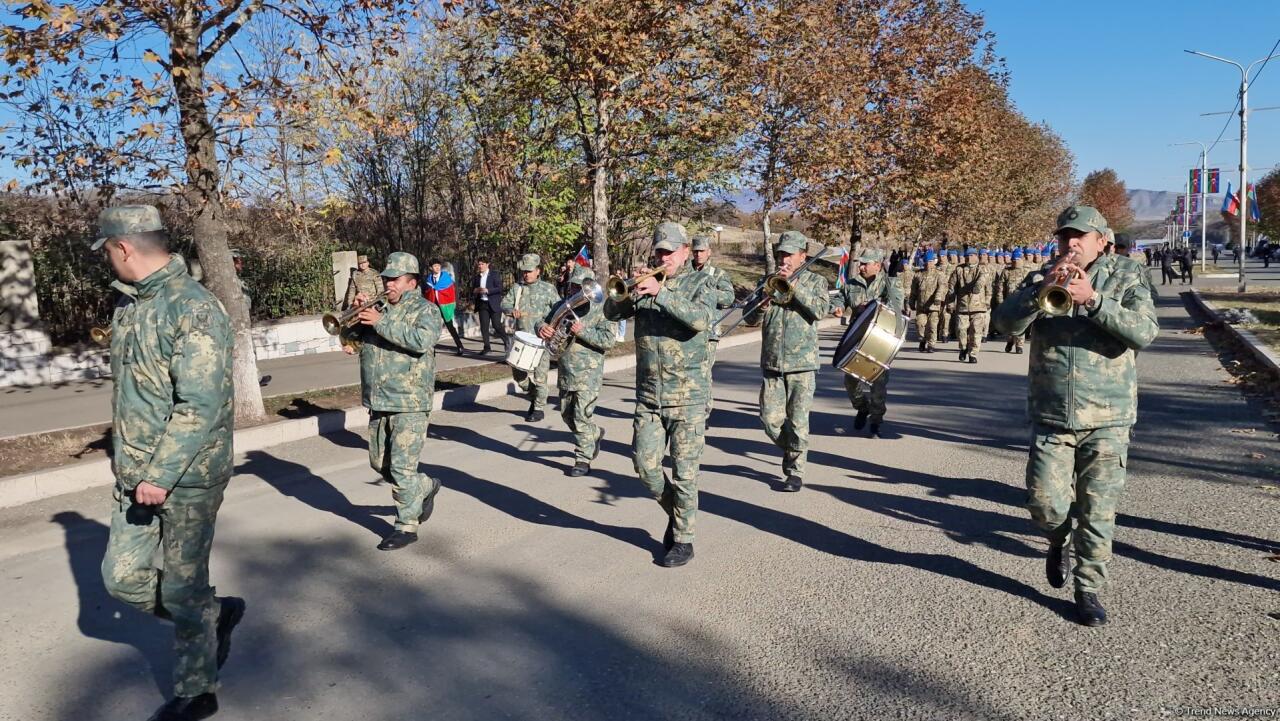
(1182, 206)
(1213, 181)
(1195, 181)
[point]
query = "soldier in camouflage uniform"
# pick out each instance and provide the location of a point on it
(363, 280)
(700, 249)
(397, 385)
(946, 326)
(172, 450)
(528, 303)
(580, 371)
(971, 287)
(1008, 282)
(789, 357)
(906, 277)
(673, 360)
(928, 293)
(870, 283)
(1082, 399)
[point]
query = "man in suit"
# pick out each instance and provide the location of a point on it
(487, 291)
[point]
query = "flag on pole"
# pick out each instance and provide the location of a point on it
(842, 275)
(1195, 181)
(1230, 203)
(1255, 214)
(583, 258)
(1213, 181)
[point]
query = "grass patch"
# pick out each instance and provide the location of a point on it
(1265, 304)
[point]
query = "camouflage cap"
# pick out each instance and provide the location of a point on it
(792, 241)
(871, 255)
(362, 259)
(579, 274)
(700, 242)
(669, 236)
(529, 261)
(1082, 218)
(399, 264)
(126, 220)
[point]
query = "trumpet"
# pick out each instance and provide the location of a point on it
(588, 295)
(100, 335)
(772, 287)
(343, 324)
(1053, 299)
(619, 290)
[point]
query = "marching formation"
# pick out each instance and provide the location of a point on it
(1086, 313)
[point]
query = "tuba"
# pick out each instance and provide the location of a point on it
(344, 324)
(567, 314)
(1053, 298)
(620, 290)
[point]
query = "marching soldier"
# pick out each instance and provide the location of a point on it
(1007, 284)
(928, 293)
(946, 325)
(971, 287)
(363, 280)
(789, 357)
(723, 286)
(580, 371)
(1082, 400)
(673, 320)
(906, 276)
(172, 441)
(397, 385)
(528, 303)
(869, 284)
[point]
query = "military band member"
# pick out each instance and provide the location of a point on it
(673, 320)
(397, 385)
(789, 357)
(946, 326)
(870, 283)
(928, 293)
(1006, 285)
(1082, 398)
(700, 252)
(363, 280)
(580, 371)
(971, 287)
(528, 303)
(172, 441)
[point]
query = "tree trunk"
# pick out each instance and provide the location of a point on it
(769, 265)
(209, 229)
(598, 157)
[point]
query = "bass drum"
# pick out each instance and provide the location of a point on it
(526, 352)
(871, 342)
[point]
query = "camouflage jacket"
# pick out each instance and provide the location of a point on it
(790, 336)
(905, 280)
(721, 283)
(398, 358)
(171, 366)
(581, 367)
(368, 282)
(948, 273)
(536, 300)
(928, 290)
(1082, 370)
(859, 290)
(672, 330)
(971, 288)
(1008, 282)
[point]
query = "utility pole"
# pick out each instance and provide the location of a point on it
(1204, 181)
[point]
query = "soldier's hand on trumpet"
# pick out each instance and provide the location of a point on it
(370, 315)
(648, 286)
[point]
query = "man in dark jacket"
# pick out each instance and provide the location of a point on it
(487, 291)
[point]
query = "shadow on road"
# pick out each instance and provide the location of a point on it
(295, 480)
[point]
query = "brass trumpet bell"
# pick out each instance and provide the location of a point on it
(1054, 300)
(619, 290)
(101, 336)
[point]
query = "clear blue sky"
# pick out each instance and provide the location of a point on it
(1112, 79)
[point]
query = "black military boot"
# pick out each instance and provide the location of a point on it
(973, 357)
(678, 555)
(860, 421)
(579, 469)
(874, 432)
(182, 708)
(1057, 566)
(429, 504)
(229, 614)
(1017, 351)
(1089, 610)
(928, 349)
(793, 484)
(534, 415)
(398, 540)
(921, 349)
(964, 354)
(1008, 346)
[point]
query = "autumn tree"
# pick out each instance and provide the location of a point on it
(1104, 190)
(118, 94)
(1268, 192)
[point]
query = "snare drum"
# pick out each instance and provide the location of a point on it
(871, 342)
(527, 352)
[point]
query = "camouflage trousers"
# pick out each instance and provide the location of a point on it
(174, 586)
(871, 399)
(395, 447)
(577, 408)
(1078, 476)
(683, 430)
(712, 347)
(535, 383)
(785, 399)
(971, 330)
(946, 327)
(928, 325)
(1016, 340)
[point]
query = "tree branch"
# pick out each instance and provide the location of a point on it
(228, 31)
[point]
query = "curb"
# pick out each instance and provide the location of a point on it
(39, 485)
(1259, 349)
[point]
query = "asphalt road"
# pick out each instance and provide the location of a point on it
(905, 581)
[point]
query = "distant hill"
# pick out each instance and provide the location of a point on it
(1156, 204)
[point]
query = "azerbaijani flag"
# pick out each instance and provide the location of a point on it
(583, 258)
(1230, 203)
(842, 275)
(1255, 214)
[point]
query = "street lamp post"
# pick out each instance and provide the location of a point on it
(1244, 152)
(1204, 179)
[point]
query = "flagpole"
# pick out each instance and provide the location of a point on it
(1204, 182)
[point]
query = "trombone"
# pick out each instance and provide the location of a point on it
(1053, 299)
(343, 324)
(620, 290)
(772, 287)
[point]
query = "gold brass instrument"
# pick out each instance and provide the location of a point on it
(619, 290)
(344, 324)
(100, 335)
(1053, 298)
(772, 287)
(567, 314)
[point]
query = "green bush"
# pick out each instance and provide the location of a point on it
(289, 281)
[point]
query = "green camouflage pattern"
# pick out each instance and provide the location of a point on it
(577, 409)
(398, 358)
(928, 295)
(368, 282)
(785, 399)
(789, 340)
(395, 448)
(683, 429)
(859, 290)
(176, 537)
(534, 301)
(1078, 476)
(126, 220)
(971, 288)
(172, 393)
(672, 331)
(1006, 285)
(1082, 370)
(721, 283)
(905, 280)
(948, 301)
(580, 372)
(873, 399)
